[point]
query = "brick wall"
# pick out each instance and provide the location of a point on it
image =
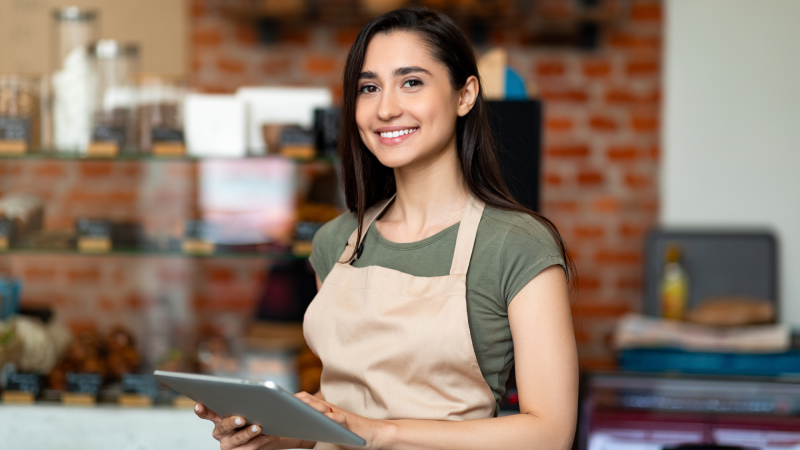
(602, 127)
(599, 178)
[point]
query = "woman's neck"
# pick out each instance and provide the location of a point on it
(430, 197)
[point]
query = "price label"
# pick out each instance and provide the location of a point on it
(22, 387)
(84, 383)
(94, 236)
(145, 385)
(14, 135)
(6, 231)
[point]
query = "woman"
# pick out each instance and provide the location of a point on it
(437, 282)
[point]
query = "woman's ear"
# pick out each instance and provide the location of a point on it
(468, 95)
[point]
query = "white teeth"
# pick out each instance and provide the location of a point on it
(394, 134)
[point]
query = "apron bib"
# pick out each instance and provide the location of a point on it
(397, 346)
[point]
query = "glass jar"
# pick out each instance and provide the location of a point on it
(113, 121)
(159, 114)
(20, 113)
(68, 127)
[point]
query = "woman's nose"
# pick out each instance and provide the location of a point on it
(389, 108)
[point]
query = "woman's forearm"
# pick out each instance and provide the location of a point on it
(520, 431)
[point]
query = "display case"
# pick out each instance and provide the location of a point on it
(149, 262)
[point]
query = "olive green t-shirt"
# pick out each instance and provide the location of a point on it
(510, 249)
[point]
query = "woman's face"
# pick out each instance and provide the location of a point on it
(406, 109)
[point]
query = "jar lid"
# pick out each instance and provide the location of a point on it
(74, 13)
(110, 49)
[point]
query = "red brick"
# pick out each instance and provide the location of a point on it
(568, 151)
(552, 179)
(87, 275)
(589, 232)
(195, 65)
(647, 12)
(622, 154)
(131, 169)
(582, 337)
(607, 204)
(550, 68)
(277, 66)
(654, 153)
(559, 124)
(632, 231)
(92, 169)
(346, 37)
(206, 38)
(644, 123)
(602, 123)
(598, 363)
(197, 8)
(593, 309)
(319, 64)
(617, 257)
(630, 41)
(135, 302)
(642, 68)
(561, 205)
(621, 96)
(590, 178)
(576, 95)
(596, 68)
(219, 275)
(105, 303)
(638, 181)
(38, 274)
(123, 196)
(630, 283)
(49, 169)
(246, 33)
(295, 37)
(231, 66)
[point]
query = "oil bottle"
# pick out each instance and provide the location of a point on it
(674, 285)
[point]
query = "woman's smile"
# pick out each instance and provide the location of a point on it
(394, 135)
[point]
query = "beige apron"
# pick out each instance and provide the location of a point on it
(396, 346)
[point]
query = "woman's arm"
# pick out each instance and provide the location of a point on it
(547, 380)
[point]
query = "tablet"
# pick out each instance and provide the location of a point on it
(275, 410)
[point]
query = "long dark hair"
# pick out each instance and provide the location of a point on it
(367, 181)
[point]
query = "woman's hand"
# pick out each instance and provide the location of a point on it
(376, 432)
(231, 434)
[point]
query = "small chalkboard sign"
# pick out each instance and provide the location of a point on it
(144, 385)
(6, 233)
(14, 134)
(84, 383)
(94, 235)
(107, 140)
(24, 382)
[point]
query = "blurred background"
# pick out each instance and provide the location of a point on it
(164, 166)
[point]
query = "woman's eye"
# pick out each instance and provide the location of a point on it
(368, 89)
(412, 83)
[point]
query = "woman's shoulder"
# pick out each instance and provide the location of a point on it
(342, 226)
(329, 243)
(516, 226)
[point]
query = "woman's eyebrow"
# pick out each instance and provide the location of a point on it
(399, 72)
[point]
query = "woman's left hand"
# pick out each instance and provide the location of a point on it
(374, 431)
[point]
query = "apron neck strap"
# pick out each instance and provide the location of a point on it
(470, 219)
(372, 213)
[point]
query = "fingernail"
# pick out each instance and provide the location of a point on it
(254, 428)
(197, 407)
(238, 421)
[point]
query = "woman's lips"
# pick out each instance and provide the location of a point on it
(395, 137)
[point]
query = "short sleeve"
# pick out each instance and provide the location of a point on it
(528, 249)
(329, 242)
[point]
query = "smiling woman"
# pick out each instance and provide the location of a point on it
(437, 282)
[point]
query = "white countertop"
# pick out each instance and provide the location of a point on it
(47, 427)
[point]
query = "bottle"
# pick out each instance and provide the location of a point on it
(674, 285)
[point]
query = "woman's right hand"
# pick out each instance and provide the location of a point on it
(231, 435)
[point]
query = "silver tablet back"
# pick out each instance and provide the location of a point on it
(263, 403)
